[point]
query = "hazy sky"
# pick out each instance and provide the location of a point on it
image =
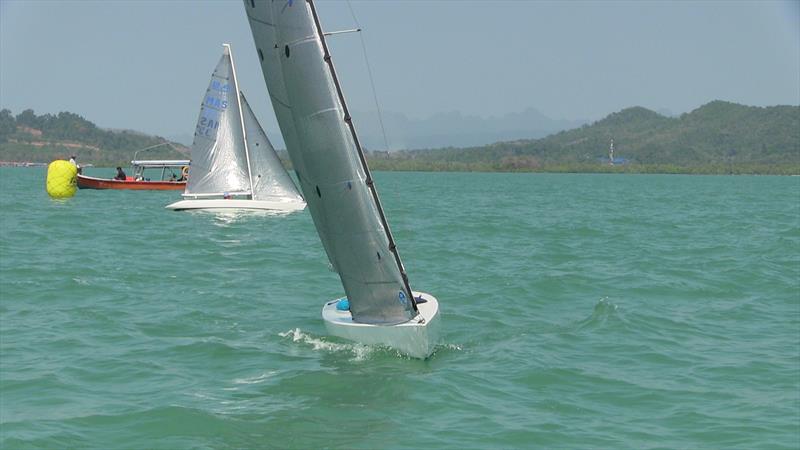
(145, 65)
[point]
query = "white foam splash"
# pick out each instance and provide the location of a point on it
(605, 302)
(257, 379)
(360, 351)
(452, 347)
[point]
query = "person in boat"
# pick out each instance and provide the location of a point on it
(74, 160)
(120, 174)
(184, 174)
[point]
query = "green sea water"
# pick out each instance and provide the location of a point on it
(579, 311)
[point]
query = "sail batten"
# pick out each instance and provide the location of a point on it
(332, 169)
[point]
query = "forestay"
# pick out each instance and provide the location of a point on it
(270, 180)
(333, 177)
(219, 162)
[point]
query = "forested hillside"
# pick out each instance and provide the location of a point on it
(718, 137)
(32, 138)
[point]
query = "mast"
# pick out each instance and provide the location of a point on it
(369, 181)
(241, 121)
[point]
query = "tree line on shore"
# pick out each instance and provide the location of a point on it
(716, 138)
(43, 138)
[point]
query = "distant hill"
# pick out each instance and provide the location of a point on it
(719, 137)
(453, 129)
(31, 138)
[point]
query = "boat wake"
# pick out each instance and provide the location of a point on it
(360, 352)
(223, 218)
(604, 311)
(256, 379)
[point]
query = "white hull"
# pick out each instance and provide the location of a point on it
(220, 204)
(412, 338)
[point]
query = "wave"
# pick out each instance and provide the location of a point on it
(360, 352)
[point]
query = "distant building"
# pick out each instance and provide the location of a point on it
(611, 159)
(611, 152)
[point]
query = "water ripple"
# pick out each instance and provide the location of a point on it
(578, 311)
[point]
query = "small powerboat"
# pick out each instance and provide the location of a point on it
(150, 175)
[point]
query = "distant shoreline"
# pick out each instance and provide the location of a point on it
(21, 164)
(718, 138)
(666, 169)
(632, 169)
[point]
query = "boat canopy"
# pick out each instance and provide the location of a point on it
(161, 163)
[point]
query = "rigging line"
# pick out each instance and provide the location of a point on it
(371, 80)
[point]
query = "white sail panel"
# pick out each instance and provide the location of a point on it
(219, 163)
(270, 180)
(332, 177)
(262, 25)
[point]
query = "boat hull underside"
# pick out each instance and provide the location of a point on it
(414, 338)
(221, 204)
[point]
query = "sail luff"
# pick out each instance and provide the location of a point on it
(241, 121)
(370, 182)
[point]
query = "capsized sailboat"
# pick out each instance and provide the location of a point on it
(234, 166)
(379, 307)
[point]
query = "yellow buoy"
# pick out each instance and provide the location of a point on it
(62, 181)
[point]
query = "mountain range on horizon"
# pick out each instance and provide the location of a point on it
(718, 137)
(446, 129)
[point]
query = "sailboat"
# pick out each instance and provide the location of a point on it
(379, 307)
(234, 166)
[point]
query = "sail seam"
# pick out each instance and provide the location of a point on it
(254, 19)
(300, 41)
(318, 113)
(284, 104)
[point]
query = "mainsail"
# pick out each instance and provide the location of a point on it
(219, 160)
(270, 180)
(324, 149)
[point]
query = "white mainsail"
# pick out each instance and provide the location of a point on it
(219, 160)
(325, 152)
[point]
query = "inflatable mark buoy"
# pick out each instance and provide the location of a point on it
(62, 181)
